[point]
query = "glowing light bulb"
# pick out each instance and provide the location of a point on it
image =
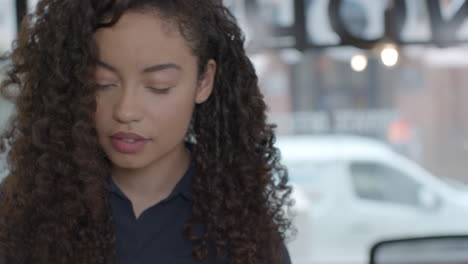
(389, 56)
(359, 63)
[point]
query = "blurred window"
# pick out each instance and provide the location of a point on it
(378, 182)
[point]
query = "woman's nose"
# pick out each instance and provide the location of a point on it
(127, 108)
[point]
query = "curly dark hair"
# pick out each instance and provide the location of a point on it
(54, 205)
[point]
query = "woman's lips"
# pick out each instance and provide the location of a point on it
(128, 142)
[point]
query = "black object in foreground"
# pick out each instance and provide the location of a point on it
(421, 250)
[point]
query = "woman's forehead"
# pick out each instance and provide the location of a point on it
(143, 24)
(142, 39)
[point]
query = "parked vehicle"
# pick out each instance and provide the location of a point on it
(358, 191)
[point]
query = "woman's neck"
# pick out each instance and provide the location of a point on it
(153, 183)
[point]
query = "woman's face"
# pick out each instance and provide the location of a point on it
(148, 86)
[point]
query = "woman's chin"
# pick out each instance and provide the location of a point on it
(127, 163)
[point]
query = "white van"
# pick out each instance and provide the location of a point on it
(352, 192)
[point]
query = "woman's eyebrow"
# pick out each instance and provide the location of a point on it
(106, 66)
(150, 69)
(161, 67)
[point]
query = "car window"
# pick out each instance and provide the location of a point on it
(310, 173)
(317, 179)
(379, 182)
(304, 173)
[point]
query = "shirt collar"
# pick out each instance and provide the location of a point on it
(183, 187)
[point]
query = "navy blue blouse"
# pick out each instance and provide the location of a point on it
(156, 236)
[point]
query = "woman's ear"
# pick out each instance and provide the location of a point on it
(205, 84)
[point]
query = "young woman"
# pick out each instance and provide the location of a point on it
(139, 137)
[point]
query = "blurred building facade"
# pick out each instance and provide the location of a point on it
(417, 106)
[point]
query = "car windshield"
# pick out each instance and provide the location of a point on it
(305, 173)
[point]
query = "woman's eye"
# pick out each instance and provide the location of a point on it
(159, 90)
(104, 86)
